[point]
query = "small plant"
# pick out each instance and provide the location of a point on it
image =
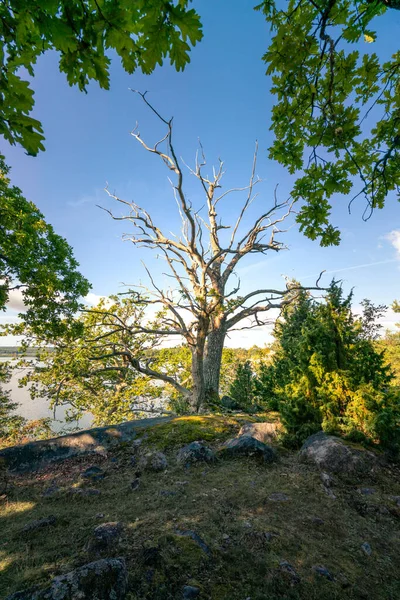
(179, 405)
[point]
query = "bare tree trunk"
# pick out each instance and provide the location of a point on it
(213, 360)
(198, 392)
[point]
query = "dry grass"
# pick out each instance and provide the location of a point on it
(227, 504)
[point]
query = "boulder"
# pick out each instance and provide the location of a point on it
(367, 491)
(366, 548)
(228, 403)
(196, 538)
(36, 455)
(263, 432)
(105, 579)
(190, 591)
(327, 483)
(153, 461)
(323, 572)
(278, 497)
(289, 571)
(51, 491)
(39, 524)
(93, 473)
(84, 492)
(330, 453)
(135, 484)
(104, 538)
(270, 535)
(195, 452)
(167, 493)
(245, 445)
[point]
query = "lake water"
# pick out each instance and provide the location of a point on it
(38, 408)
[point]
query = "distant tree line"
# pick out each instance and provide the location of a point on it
(15, 351)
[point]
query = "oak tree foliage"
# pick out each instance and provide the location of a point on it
(96, 371)
(84, 33)
(37, 262)
(336, 119)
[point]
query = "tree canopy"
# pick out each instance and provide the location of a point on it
(95, 370)
(327, 372)
(36, 261)
(336, 120)
(83, 32)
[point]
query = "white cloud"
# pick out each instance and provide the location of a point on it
(394, 238)
(389, 320)
(93, 299)
(16, 301)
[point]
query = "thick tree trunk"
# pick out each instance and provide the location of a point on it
(212, 360)
(198, 392)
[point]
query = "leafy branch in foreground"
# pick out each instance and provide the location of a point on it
(83, 32)
(37, 262)
(336, 120)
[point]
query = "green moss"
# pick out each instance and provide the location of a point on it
(208, 428)
(181, 552)
(184, 430)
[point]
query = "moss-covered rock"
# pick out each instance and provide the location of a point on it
(245, 445)
(332, 454)
(184, 430)
(195, 452)
(101, 580)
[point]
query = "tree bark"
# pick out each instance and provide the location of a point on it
(213, 359)
(198, 391)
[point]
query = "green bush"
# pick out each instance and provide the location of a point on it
(327, 374)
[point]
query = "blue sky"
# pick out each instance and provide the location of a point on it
(222, 98)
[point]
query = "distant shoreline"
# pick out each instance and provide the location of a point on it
(16, 352)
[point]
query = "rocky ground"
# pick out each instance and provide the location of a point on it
(233, 516)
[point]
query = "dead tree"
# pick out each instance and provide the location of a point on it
(204, 305)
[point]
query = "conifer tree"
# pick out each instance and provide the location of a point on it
(327, 373)
(242, 388)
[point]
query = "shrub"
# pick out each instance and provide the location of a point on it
(327, 374)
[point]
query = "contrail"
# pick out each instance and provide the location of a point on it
(379, 262)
